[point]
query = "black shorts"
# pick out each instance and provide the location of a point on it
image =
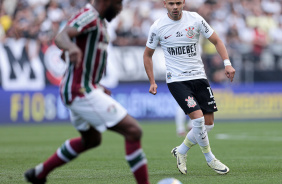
(193, 95)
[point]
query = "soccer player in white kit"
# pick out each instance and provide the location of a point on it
(178, 34)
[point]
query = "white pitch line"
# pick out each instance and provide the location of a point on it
(246, 137)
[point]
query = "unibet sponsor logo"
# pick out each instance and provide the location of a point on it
(190, 50)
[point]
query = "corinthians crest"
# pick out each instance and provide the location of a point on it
(190, 32)
(190, 102)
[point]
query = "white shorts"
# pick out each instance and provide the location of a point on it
(96, 109)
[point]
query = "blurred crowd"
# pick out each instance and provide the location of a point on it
(251, 29)
(36, 19)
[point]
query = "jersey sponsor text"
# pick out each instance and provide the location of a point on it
(190, 50)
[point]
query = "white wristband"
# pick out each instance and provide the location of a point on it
(227, 62)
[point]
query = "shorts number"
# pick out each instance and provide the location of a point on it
(211, 95)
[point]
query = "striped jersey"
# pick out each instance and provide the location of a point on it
(93, 42)
(180, 43)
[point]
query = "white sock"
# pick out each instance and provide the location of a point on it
(200, 132)
(183, 148)
(209, 156)
(201, 136)
(191, 136)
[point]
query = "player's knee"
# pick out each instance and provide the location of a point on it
(93, 143)
(199, 122)
(134, 133)
(129, 128)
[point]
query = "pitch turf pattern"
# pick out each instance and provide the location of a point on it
(252, 151)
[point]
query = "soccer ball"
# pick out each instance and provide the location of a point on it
(169, 181)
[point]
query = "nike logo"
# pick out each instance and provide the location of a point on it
(225, 170)
(204, 137)
(166, 37)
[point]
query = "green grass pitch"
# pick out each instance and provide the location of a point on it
(252, 151)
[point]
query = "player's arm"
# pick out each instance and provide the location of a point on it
(221, 49)
(148, 64)
(63, 41)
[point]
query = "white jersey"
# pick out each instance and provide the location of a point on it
(180, 43)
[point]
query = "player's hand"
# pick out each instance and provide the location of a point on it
(75, 55)
(153, 88)
(229, 72)
(106, 90)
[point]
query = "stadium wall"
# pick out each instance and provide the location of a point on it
(29, 92)
(235, 102)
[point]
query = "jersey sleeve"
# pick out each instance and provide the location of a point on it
(204, 27)
(84, 21)
(153, 38)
